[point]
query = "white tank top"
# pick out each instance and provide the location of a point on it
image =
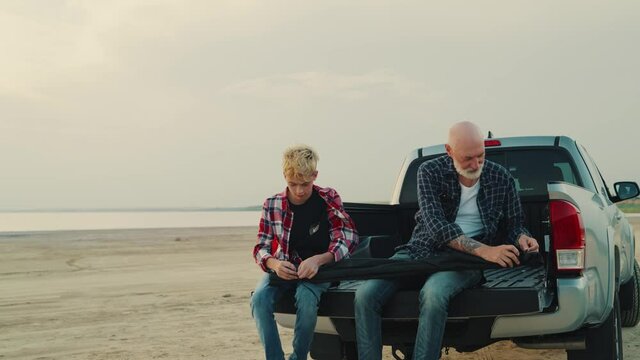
(468, 217)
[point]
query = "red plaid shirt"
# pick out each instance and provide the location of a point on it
(277, 219)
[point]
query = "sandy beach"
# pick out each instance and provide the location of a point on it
(150, 294)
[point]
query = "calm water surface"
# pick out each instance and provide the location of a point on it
(47, 221)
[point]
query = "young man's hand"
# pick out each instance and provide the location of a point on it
(528, 244)
(309, 267)
(284, 269)
(503, 255)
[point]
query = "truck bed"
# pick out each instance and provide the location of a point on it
(472, 313)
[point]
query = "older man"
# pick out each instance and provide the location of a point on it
(462, 200)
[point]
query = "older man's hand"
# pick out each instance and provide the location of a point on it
(503, 255)
(528, 244)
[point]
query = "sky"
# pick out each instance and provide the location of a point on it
(126, 104)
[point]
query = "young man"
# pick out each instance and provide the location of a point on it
(309, 226)
(462, 201)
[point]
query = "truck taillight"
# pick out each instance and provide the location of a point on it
(567, 230)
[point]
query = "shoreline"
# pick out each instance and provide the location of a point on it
(26, 233)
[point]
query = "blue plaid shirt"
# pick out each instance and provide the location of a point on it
(439, 200)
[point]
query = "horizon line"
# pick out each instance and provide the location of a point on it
(135, 209)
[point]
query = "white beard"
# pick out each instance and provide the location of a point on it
(468, 174)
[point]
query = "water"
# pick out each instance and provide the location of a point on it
(53, 221)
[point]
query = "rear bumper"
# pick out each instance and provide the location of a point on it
(574, 297)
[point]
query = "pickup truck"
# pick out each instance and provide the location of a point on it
(586, 288)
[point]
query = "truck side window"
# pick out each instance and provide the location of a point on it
(595, 173)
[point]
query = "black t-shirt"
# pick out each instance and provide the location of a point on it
(310, 230)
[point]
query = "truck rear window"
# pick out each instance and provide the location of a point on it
(532, 169)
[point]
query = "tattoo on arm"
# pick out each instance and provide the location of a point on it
(465, 244)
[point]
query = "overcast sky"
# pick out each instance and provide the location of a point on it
(190, 103)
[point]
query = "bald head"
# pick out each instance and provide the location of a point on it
(466, 148)
(464, 134)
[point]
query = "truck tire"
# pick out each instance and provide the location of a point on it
(630, 299)
(603, 342)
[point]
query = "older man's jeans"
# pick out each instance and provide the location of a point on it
(434, 299)
(307, 296)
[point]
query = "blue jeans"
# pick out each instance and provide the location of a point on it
(307, 296)
(435, 294)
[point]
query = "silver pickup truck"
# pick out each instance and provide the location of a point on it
(577, 298)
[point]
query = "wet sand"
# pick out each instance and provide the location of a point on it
(151, 294)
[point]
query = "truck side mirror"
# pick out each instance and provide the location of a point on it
(626, 190)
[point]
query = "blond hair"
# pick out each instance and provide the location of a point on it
(299, 162)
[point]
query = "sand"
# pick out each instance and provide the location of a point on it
(150, 294)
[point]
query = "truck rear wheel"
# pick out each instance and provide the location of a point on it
(603, 342)
(630, 299)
